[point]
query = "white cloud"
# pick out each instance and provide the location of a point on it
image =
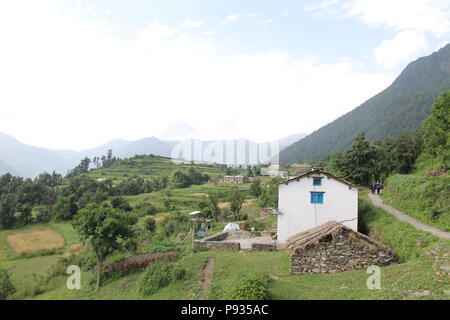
(412, 20)
(403, 47)
(192, 23)
(230, 18)
(285, 13)
(431, 16)
(254, 15)
(268, 21)
(68, 82)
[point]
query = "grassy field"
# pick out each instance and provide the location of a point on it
(187, 199)
(29, 242)
(424, 198)
(150, 166)
(49, 242)
(414, 272)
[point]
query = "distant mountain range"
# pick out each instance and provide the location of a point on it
(401, 107)
(24, 160)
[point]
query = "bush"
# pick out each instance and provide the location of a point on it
(250, 287)
(41, 214)
(6, 285)
(150, 225)
(423, 198)
(400, 236)
(258, 225)
(158, 275)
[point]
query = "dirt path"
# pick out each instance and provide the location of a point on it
(207, 274)
(376, 200)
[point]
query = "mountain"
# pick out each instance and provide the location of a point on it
(28, 161)
(401, 107)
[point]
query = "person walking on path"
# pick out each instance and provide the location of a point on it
(378, 187)
(372, 187)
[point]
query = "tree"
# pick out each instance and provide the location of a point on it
(181, 179)
(357, 164)
(64, 209)
(105, 228)
(436, 130)
(249, 171)
(269, 194)
(6, 285)
(150, 225)
(255, 188)
(211, 207)
(121, 203)
(237, 200)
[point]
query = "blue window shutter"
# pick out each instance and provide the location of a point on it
(320, 198)
(317, 181)
(317, 197)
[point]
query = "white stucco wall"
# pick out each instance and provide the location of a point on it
(298, 214)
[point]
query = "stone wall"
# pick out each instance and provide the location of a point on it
(263, 247)
(214, 245)
(339, 253)
(216, 237)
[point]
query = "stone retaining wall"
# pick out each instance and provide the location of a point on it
(339, 253)
(214, 245)
(263, 247)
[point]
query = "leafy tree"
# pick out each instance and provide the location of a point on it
(7, 218)
(64, 209)
(255, 188)
(105, 228)
(358, 162)
(210, 207)
(6, 285)
(150, 225)
(249, 171)
(269, 194)
(181, 179)
(121, 203)
(436, 130)
(237, 200)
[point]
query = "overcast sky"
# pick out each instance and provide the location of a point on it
(76, 74)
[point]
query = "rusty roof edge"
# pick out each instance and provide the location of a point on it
(329, 175)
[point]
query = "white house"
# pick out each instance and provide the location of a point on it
(314, 198)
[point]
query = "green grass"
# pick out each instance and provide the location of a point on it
(24, 269)
(414, 272)
(67, 232)
(150, 166)
(187, 199)
(424, 198)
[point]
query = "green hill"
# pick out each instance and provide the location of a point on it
(401, 107)
(146, 166)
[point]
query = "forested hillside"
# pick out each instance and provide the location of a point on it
(401, 107)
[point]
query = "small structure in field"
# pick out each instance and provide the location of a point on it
(332, 247)
(234, 179)
(273, 171)
(237, 240)
(312, 199)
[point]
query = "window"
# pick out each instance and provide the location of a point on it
(317, 181)
(317, 197)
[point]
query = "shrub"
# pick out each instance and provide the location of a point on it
(150, 225)
(158, 275)
(6, 285)
(250, 287)
(258, 225)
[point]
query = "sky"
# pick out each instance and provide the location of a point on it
(75, 74)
